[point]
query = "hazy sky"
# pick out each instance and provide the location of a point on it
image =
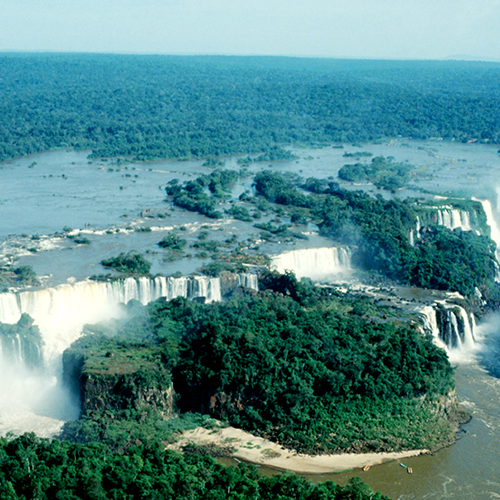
(395, 29)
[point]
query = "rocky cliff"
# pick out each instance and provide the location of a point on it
(119, 379)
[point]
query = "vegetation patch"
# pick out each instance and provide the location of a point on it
(71, 470)
(18, 276)
(128, 263)
(383, 172)
(378, 231)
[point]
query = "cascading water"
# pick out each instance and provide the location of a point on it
(248, 280)
(415, 233)
(451, 326)
(452, 218)
(36, 401)
(314, 263)
(494, 230)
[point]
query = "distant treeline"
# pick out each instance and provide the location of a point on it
(170, 106)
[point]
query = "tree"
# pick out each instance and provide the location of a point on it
(131, 263)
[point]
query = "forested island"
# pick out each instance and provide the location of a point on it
(316, 369)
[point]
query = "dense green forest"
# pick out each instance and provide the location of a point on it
(167, 106)
(376, 229)
(379, 231)
(314, 370)
(40, 469)
(384, 173)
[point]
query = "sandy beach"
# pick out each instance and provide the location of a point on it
(263, 452)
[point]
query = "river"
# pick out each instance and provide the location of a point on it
(43, 194)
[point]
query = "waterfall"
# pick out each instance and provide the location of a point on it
(494, 231)
(248, 280)
(62, 311)
(465, 221)
(314, 263)
(415, 232)
(9, 308)
(450, 325)
(18, 349)
(429, 316)
(490, 219)
(452, 218)
(38, 402)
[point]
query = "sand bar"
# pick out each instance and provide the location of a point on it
(263, 452)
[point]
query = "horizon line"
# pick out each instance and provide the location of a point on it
(463, 58)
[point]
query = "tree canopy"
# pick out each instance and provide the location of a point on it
(172, 106)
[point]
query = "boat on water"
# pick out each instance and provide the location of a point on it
(408, 469)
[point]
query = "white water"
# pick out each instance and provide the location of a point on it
(452, 218)
(494, 230)
(455, 330)
(248, 280)
(490, 219)
(415, 233)
(430, 325)
(33, 401)
(315, 263)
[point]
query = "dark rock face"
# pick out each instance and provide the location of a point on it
(454, 325)
(120, 392)
(119, 380)
(22, 343)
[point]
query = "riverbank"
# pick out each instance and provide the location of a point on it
(245, 446)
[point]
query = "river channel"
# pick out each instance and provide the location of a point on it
(44, 195)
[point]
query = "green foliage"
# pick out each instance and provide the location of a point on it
(240, 213)
(34, 468)
(198, 203)
(282, 230)
(192, 196)
(148, 107)
(378, 231)
(130, 263)
(218, 267)
(299, 216)
(172, 241)
(291, 363)
(79, 239)
(383, 172)
(220, 182)
(24, 275)
(275, 153)
(294, 373)
(457, 260)
(357, 154)
(213, 162)
(209, 246)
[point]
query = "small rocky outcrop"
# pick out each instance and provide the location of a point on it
(22, 343)
(120, 379)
